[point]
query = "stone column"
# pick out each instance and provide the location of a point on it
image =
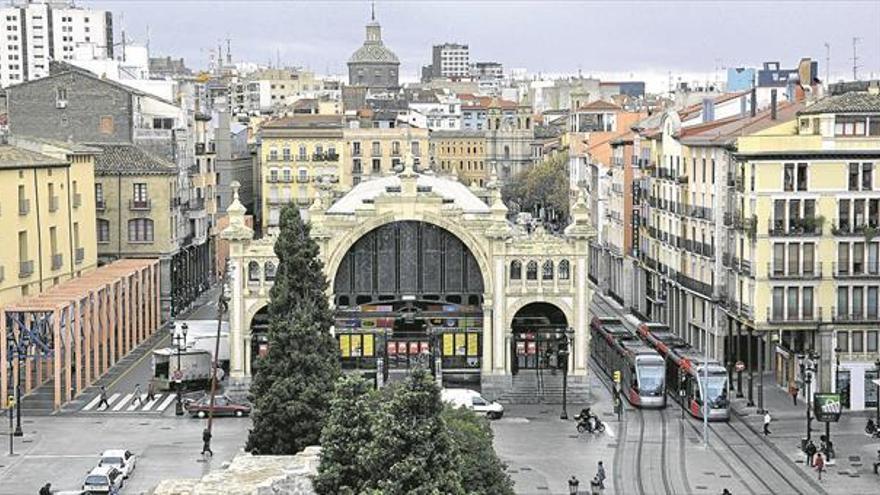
(581, 316)
(236, 320)
(488, 341)
(499, 326)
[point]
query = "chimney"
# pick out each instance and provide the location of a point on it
(772, 104)
(754, 102)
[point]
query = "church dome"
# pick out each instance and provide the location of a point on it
(375, 53)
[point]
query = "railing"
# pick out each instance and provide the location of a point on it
(77, 200)
(139, 204)
(197, 204)
(100, 204)
(694, 285)
(356, 152)
(325, 157)
(24, 206)
(53, 203)
(302, 179)
(357, 170)
(25, 269)
(783, 271)
(80, 255)
(801, 227)
(57, 261)
(844, 315)
(854, 269)
(850, 229)
(782, 316)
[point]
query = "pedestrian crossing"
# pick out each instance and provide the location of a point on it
(119, 403)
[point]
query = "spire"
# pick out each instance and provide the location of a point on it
(373, 11)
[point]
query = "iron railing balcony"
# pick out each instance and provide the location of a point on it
(24, 206)
(80, 255)
(856, 269)
(783, 271)
(57, 261)
(844, 315)
(781, 315)
(140, 204)
(694, 284)
(25, 269)
(100, 204)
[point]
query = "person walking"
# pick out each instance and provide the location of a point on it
(151, 391)
(206, 442)
(820, 464)
(103, 398)
(600, 475)
(767, 420)
(810, 450)
(137, 395)
(46, 489)
(793, 390)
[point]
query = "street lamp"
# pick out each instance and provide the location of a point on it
(564, 352)
(808, 368)
(877, 398)
(178, 338)
(18, 348)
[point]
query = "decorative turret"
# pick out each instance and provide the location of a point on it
(237, 229)
(408, 176)
(580, 227)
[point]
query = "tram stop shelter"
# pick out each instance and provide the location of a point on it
(68, 336)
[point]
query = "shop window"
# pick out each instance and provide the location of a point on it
(871, 388)
(843, 384)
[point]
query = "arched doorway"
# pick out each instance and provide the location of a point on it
(539, 332)
(260, 333)
(407, 294)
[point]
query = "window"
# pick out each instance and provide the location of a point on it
(106, 126)
(778, 296)
(849, 126)
(99, 194)
(414, 146)
(270, 270)
(843, 341)
(872, 341)
(842, 301)
(843, 215)
(858, 343)
(807, 302)
(532, 270)
(301, 155)
(564, 270)
(286, 154)
(356, 166)
(60, 97)
(377, 148)
(273, 175)
(515, 270)
(253, 271)
(377, 165)
(547, 270)
(103, 230)
(273, 154)
(139, 193)
(356, 149)
(140, 230)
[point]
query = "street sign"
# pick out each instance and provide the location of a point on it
(827, 407)
(177, 376)
(740, 366)
(616, 376)
(10, 401)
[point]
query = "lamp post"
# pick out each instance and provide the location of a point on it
(877, 399)
(178, 379)
(564, 352)
(809, 368)
(18, 349)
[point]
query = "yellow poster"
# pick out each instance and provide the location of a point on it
(344, 345)
(447, 345)
(368, 345)
(460, 349)
(356, 346)
(472, 344)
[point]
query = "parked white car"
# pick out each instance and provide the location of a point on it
(121, 459)
(104, 479)
(471, 399)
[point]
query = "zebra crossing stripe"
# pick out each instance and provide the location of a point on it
(135, 404)
(149, 405)
(125, 400)
(165, 403)
(109, 402)
(93, 403)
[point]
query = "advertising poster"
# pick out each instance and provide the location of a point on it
(447, 344)
(344, 345)
(423, 347)
(392, 348)
(413, 348)
(368, 345)
(827, 407)
(460, 348)
(472, 344)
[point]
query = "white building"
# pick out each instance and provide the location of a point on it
(451, 61)
(38, 31)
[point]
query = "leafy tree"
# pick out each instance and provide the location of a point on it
(293, 383)
(481, 470)
(413, 451)
(346, 438)
(545, 185)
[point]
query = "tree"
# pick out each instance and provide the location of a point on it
(346, 438)
(412, 451)
(545, 185)
(293, 383)
(481, 470)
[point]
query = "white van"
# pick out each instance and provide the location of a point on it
(462, 397)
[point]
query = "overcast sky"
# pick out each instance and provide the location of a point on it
(612, 39)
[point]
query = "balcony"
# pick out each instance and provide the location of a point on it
(846, 229)
(25, 269)
(139, 204)
(303, 201)
(797, 227)
(302, 179)
(24, 206)
(855, 269)
(100, 205)
(357, 170)
(694, 285)
(781, 316)
(196, 204)
(781, 271)
(325, 157)
(683, 179)
(77, 200)
(860, 316)
(80, 255)
(57, 261)
(356, 152)
(302, 158)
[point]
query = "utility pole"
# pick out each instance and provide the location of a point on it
(855, 58)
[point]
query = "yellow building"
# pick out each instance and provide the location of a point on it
(374, 152)
(46, 216)
(461, 153)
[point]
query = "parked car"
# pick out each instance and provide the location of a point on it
(121, 459)
(223, 406)
(104, 479)
(471, 399)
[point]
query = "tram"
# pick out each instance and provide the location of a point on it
(616, 348)
(686, 370)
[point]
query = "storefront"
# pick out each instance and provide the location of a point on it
(855, 384)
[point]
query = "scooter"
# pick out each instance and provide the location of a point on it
(590, 425)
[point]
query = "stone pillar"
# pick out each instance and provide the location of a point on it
(488, 341)
(236, 320)
(499, 325)
(581, 316)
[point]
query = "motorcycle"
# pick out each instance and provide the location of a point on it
(590, 425)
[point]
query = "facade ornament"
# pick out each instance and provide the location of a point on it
(237, 229)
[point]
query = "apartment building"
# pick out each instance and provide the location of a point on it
(37, 31)
(463, 154)
(46, 214)
(450, 61)
(375, 152)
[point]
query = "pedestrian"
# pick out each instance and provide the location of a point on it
(46, 490)
(600, 475)
(726, 492)
(151, 391)
(103, 398)
(793, 390)
(810, 450)
(767, 423)
(206, 442)
(573, 484)
(820, 464)
(137, 395)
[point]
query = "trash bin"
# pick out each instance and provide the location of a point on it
(595, 487)
(804, 444)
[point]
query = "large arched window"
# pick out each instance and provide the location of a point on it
(140, 230)
(270, 270)
(547, 270)
(564, 270)
(253, 271)
(532, 270)
(515, 270)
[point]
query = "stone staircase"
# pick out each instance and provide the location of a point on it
(528, 387)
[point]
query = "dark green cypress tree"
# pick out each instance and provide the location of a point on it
(412, 451)
(292, 385)
(346, 438)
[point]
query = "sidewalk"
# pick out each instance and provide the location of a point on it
(776, 399)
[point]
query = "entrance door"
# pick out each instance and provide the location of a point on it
(537, 350)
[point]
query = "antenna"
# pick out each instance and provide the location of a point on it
(827, 63)
(855, 58)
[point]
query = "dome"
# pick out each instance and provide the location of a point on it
(451, 191)
(373, 53)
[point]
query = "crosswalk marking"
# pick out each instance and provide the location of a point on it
(136, 403)
(152, 403)
(125, 400)
(165, 402)
(93, 403)
(109, 402)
